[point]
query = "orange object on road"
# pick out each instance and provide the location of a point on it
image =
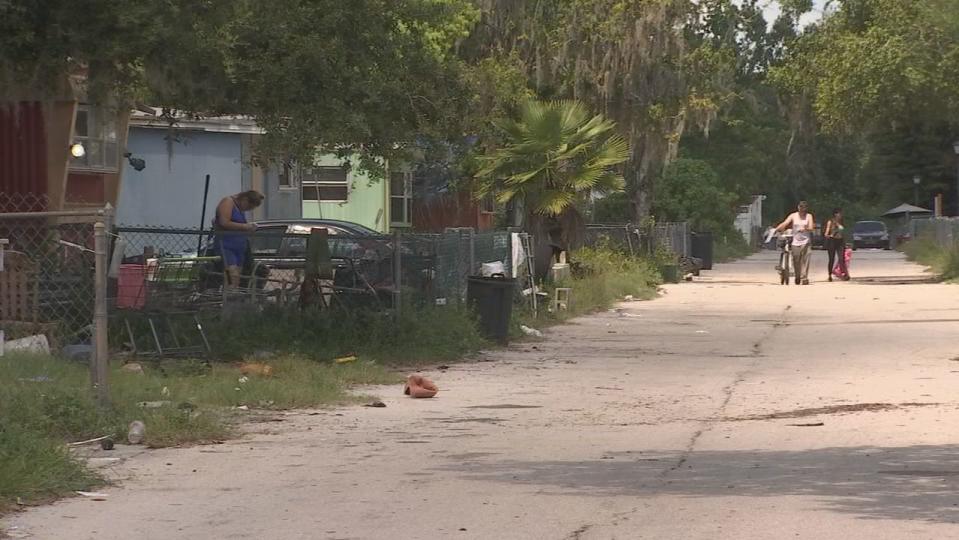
(263, 370)
(420, 387)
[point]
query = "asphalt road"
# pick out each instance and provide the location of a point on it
(731, 407)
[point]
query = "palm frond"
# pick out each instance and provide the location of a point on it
(555, 153)
(609, 182)
(553, 202)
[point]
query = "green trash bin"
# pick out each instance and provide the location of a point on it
(491, 298)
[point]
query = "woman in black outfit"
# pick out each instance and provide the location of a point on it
(835, 240)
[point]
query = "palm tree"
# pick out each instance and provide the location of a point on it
(555, 156)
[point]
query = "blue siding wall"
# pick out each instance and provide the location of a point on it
(169, 191)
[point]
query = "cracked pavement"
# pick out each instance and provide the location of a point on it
(731, 407)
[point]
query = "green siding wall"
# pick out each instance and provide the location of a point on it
(366, 204)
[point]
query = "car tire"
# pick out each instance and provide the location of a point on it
(854, 246)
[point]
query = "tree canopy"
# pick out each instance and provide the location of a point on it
(900, 57)
(847, 108)
(365, 74)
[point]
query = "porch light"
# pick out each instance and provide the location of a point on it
(77, 150)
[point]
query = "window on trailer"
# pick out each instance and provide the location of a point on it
(95, 128)
(287, 175)
(327, 184)
(401, 199)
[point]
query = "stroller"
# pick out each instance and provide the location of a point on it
(837, 268)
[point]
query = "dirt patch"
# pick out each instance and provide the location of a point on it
(833, 409)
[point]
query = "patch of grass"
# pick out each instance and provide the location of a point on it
(47, 402)
(942, 260)
(295, 383)
(420, 334)
(35, 467)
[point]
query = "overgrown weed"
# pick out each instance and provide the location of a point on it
(419, 334)
(944, 261)
(602, 278)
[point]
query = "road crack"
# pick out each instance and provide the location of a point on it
(728, 392)
(578, 533)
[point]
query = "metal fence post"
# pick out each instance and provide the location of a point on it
(472, 237)
(397, 270)
(100, 363)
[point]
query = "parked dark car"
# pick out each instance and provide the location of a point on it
(274, 246)
(347, 240)
(870, 234)
(362, 257)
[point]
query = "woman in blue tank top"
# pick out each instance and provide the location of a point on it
(230, 222)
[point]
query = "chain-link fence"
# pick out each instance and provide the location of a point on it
(627, 239)
(157, 270)
(632, 240)
(430, 267)
(47, 270)
(23, 202)
(673, 236)
(460, 253)
(944, 231)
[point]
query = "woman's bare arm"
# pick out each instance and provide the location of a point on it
(787, 223)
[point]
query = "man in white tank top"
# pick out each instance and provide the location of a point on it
(803, 224)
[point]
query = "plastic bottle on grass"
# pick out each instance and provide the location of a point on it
(136, 432)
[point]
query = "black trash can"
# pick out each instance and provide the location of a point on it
(492, 300)
(702, 244)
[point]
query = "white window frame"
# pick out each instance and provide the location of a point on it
(289, 170)
(99, 132)
(406, 197)
(318, 184)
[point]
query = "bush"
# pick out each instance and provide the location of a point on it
(730, 246)
(943, 260)
(691, 190)
(603, 277)
(613, 208)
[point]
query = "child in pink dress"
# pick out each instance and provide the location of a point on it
(837, 269)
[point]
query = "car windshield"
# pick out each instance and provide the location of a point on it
(869, 227)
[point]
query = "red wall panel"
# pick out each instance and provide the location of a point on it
(23, 156)
(436, 213)
(86, 188)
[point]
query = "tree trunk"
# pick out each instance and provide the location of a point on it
(638, 180)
